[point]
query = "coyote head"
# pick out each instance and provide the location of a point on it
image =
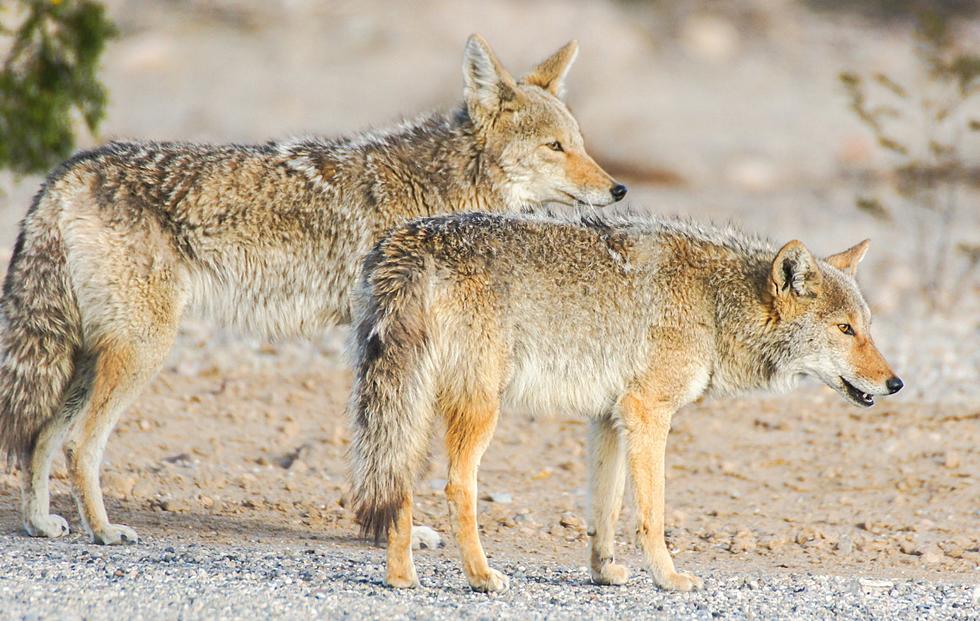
(828, 322)
(528, 132)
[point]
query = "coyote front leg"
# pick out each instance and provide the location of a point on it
(647, 421)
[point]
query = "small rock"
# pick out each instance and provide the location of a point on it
(571, 521)
(118, 485)
(844, 545)
(678, 518)
(144, 488)
(175, 505)
(425, 537)
(182, 459)
(742, 541)
(909, 547)
(952, 550)
(952, 460)
(499, 497)
(932, 554)
(807, 535)
(870, 584)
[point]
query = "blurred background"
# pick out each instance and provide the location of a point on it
(828, 121)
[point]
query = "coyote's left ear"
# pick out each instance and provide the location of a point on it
(794, 273)
(848, 260)
(550, 74)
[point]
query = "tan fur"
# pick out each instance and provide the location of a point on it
(621, 320)
(122, 242)
(400, 565)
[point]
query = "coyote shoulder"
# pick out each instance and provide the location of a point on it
(622, 321)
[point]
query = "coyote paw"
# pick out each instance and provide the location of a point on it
(407, 580)
(492, 582)
(679, 581)
(50, 526)
(115, 534)
(611, 574)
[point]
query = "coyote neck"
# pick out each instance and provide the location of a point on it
(436, 165)
(749, 340)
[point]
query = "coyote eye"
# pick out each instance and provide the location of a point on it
(846, 329)
(555, 146)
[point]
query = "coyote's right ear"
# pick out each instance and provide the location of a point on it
(795, 273)
(488, 85)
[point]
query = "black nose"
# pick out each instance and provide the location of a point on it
(894, 384)
(618, 191)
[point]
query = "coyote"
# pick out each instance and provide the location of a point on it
(620, 320)
(123, 241)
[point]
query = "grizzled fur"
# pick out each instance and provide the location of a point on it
(621, 320)
(123, 241)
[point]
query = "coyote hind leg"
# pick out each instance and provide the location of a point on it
(36, 468)
(120, 373)
(35, 493)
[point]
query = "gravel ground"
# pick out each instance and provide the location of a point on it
(40, 580)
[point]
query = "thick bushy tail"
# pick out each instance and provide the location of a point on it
(40, 332)
(393, 401)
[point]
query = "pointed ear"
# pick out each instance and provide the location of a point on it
(550, 74)
(848, 260)
(488, 85)
(794, 272)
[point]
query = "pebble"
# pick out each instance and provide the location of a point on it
(571, 521)
(742, 541)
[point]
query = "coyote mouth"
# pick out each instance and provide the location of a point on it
(857, 396)
(578, 202)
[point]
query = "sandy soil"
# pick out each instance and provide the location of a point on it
(730, 116)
